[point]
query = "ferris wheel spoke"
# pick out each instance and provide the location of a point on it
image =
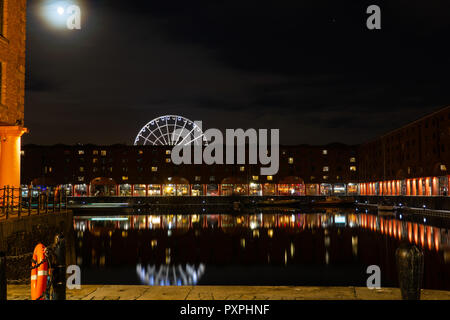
(202, 135)
(163, 131)
(162, 134)
(174, 129)
(182, 130)
(167, 131)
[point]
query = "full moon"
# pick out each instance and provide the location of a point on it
(60, 11)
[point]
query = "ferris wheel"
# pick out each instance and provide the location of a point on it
(169, 131)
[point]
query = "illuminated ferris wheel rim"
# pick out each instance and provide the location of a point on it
(160, 131)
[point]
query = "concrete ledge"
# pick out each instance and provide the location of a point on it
(119, 292)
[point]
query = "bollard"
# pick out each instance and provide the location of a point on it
(410, 263)
(3, 287)
(59, 271)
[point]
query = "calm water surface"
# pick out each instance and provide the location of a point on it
(332, 247)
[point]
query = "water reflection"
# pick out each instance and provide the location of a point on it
(335, 247)
(170, 275)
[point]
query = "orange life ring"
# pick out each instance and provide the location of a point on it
(39, 275)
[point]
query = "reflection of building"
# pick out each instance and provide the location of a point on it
(158, 244)
(121, 170)
(410, 161)
(12, 88)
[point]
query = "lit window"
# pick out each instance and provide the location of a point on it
(95, 152)
(154, 169)
(443, 167)
(140, 152)
(81, 169)
(103, 152)
(324, 151)
(255, 178)
(80, 179)
(212, 178)
(124, 178)
(352, 168)
(326, 169)
(325, 177)
(80, 152)
(110, 169)
(352, 159)
(167, 160)
(242, 168)
(22, 153)
(269, 178)
(198, 178)
(49, 169)
(291, 160)
(95, 160)
(168, 152)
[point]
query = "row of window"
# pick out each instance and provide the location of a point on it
(291, 160)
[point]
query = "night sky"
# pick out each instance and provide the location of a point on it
(310, 68)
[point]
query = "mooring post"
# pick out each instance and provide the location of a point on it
(59, 272)
(7, 201)
(20, 202)
(410, 264)
(3, 286)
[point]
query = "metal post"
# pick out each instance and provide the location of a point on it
(20, 201)
(46, 202)
(59, 272)
(60, 199)
(3, 286)
(4, 200)
(54, 201)
(30, 200)
(410, 263)
(39, 204)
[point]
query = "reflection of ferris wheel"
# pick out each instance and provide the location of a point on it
(169, 131)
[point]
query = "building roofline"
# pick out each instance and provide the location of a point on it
(429, 115)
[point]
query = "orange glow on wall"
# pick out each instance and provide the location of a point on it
(416, 233)
(10, 137)
(429, 238)
(410, 232)
(422, 235)
(437, 235)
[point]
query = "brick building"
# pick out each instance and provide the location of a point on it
(411, 160)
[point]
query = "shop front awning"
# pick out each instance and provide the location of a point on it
(176, 180)
(233, 180)
(103, 181)
(43, 181)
